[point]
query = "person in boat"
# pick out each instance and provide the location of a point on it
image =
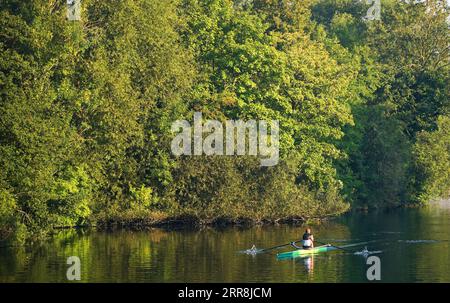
(307, 240)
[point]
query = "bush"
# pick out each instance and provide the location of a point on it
(11, 228)
(432, 163)
(239, 188)
(71, 197)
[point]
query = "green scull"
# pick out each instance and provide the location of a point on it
(305, 252)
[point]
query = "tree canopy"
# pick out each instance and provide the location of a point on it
(86, 109)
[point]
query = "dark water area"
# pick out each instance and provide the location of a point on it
(412, 244)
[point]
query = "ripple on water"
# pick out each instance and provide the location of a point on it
(418, 241)
(365, 252)
(251, 251)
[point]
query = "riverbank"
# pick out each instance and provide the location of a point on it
(163, 220)
(186, 220)
(144, 219)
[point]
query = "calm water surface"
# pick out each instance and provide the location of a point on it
(413, 246)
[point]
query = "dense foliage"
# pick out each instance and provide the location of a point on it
(86, 109)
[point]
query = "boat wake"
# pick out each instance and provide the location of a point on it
(339, 240)
(418, 241)
(360, 243)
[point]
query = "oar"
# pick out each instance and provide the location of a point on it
(278, 246)
(338, 247)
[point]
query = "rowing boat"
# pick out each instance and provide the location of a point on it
(305, 252)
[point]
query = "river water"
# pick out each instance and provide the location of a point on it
(412, 245)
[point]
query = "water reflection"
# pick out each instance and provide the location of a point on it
(215, 255)
(309, 265)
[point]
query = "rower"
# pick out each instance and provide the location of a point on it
(307, 240)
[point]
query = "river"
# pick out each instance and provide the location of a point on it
(412, 245)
